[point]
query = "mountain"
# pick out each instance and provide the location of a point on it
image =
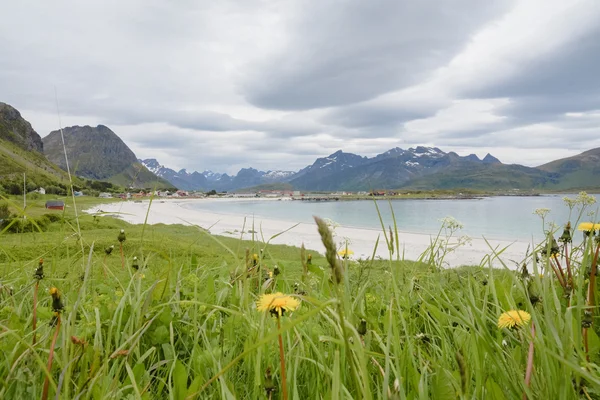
(392, 169)
(98, 153)
(18, 131)
(485, 176)
(21, 152)
(580, 171)
(208, 180)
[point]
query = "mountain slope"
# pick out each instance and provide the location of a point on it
(492, 176)
(580, 171)
(98, 153)
(15, 129)
(20, 152)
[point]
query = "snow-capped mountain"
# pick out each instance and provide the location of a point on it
(208, 180)
(339, 171)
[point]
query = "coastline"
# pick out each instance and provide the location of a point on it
(361, 240)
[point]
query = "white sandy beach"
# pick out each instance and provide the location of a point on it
(361, 241)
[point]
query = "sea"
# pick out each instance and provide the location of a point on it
(502, 217)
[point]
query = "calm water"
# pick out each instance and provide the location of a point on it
(494, 217)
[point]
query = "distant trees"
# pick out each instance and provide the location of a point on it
(211, 193)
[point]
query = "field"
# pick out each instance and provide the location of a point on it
(175, 316)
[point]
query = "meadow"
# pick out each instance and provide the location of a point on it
(181, 314)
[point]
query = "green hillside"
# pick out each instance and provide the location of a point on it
(138, 176)
(487, 177)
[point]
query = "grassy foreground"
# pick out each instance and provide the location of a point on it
(184, 324)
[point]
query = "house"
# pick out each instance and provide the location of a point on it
(55, 205)
(105, 195)
(41, 190)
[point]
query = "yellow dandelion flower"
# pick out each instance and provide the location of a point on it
(277, 303)
(513, 319)
(588, 226)
(345, 253)
(270, 274)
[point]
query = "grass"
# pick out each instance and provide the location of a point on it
(184, 325)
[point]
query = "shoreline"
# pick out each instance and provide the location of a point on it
(361, 240)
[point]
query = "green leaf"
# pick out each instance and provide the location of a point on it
(442, 387)
(494, 390)
(180, 380)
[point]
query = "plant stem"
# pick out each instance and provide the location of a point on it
(122, 257)
(590, 301)
(282, 361)
(50, 358)
(35, 296)
(569, 273)
(529, 370)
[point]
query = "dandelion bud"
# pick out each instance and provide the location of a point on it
(362, 327)
(566, 236)
(586, 321)
(269, 384)
(57, 305)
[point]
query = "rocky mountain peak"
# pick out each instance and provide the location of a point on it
(14, 128)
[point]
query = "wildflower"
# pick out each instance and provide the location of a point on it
(57, 305)
(451, 223)
(39, 271)
(345, 253)
(513, 319)
(121, 238)
(134, 263)
(254, 259)
(541, 212)
(277, 303)
(566, 236)
(276, 271)
(309, 259)
(588, 227)
(109, 249)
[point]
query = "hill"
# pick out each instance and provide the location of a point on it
(21, 152)
(580, 171)
(486, 177)
(98, 153)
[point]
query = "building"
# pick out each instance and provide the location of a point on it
(55, 205)
(105, 195)
(77, 193)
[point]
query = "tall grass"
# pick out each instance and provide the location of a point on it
(185, 324)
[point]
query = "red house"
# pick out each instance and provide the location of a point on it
(55, 205)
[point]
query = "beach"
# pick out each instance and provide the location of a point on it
(361, 241)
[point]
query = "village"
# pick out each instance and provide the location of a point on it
(284, 195)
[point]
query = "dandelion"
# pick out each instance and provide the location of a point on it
(588, 227)
(345, 253)
(277, 303)
(57, 305)
(513, 319)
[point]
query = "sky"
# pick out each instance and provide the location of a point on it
(274, 84)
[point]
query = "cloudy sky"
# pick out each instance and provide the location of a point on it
(274, 84)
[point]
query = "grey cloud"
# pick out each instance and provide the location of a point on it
(344, 54)
(566, 80)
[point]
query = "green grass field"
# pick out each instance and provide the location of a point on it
(185, 324)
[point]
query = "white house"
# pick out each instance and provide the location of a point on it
(105, 195)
